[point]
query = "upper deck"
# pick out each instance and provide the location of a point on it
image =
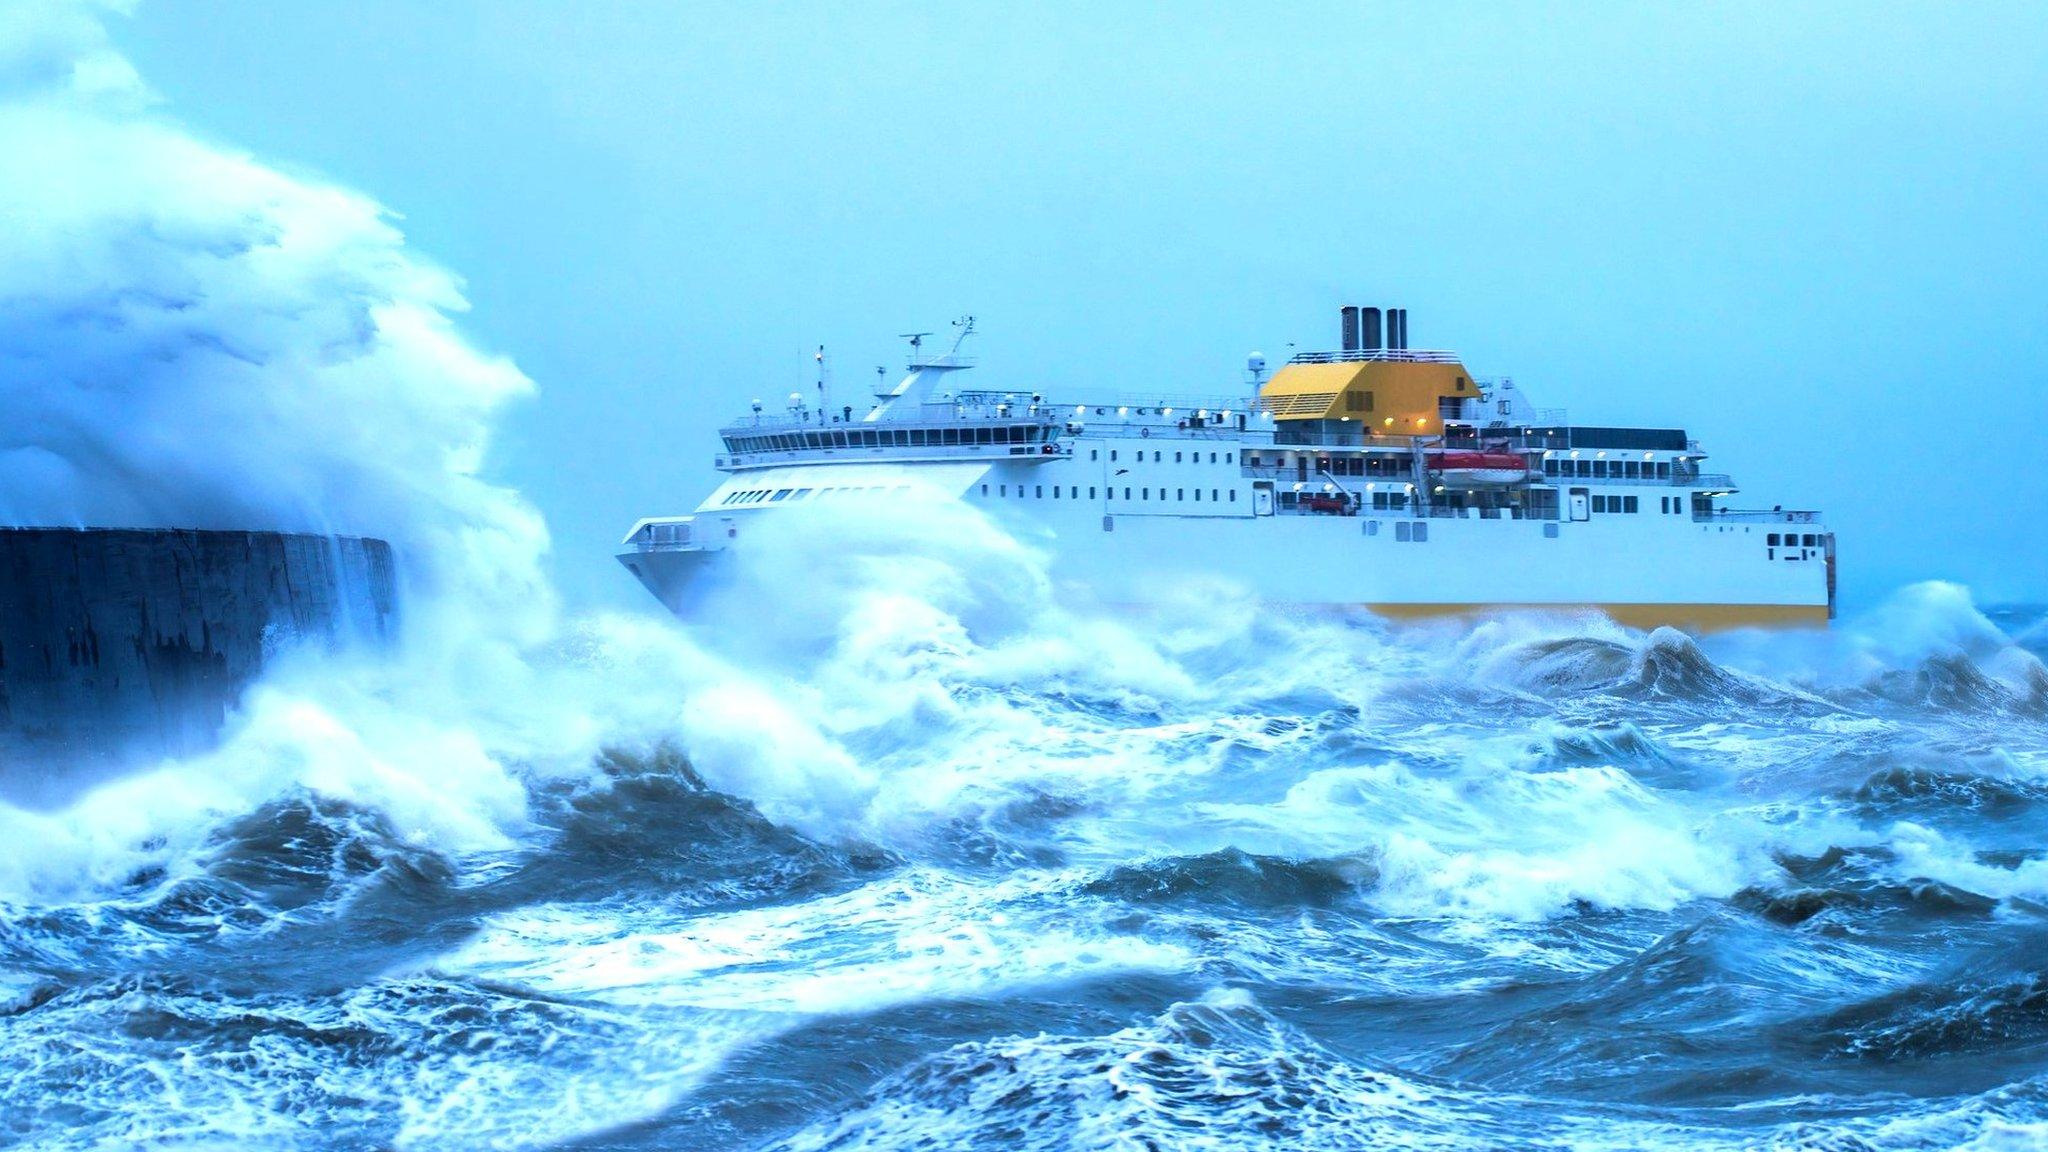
(1329, 432)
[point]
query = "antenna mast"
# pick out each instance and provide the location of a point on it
(823, 378)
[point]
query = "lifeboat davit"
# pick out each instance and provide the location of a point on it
(1478, 469)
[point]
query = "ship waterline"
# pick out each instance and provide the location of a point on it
(1371, 476)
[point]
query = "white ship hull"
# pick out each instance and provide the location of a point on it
(1643, 569)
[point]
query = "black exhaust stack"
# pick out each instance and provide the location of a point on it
(1350, 314)
(1372, 329)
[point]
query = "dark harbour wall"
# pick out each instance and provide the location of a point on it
(119, 645)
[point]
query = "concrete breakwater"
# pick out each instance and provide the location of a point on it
(122, 645)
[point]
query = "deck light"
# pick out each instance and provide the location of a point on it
(1421, 421)
(1124, 410)
(1389, 421)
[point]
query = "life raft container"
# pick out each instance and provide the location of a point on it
(1477, 468)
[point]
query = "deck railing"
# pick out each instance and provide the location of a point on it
(1747, 516)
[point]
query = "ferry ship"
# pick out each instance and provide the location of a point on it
(1374, 475)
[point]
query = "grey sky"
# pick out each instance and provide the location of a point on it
(1815, 235)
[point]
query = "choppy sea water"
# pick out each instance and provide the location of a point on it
(1162, 883)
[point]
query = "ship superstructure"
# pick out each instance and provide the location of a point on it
(1375, 474)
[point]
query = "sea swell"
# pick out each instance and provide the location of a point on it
(1314, 891)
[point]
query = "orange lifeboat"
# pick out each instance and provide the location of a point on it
(1477, 469)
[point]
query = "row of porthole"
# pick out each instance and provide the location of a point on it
(1073, 492)
(1158, 457)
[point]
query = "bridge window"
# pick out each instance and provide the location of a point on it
(1628, 503)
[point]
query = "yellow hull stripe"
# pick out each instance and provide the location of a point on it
(1689, 617)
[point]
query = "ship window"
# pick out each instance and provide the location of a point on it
(1226, 458)
(1599, 468)
(1055, 491)
(1628, 503)
(1094, 453)
(1091, 492)
(1233, 495)
(1156, 455)
(1002, 489)
(1809, 541)
(780, 494)
(1198, 495)
(1112, 455)
(1422, 533)
(984, 489)
(1127, 493)
(1180, 494)
(1771, 540)
(1663, 471)
(1403, 530)
(1631, 470)
(1040, 493)
(1176, 458)
(917, 437)
(1144, 493)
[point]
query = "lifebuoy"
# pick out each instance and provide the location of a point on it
(1145, 432)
